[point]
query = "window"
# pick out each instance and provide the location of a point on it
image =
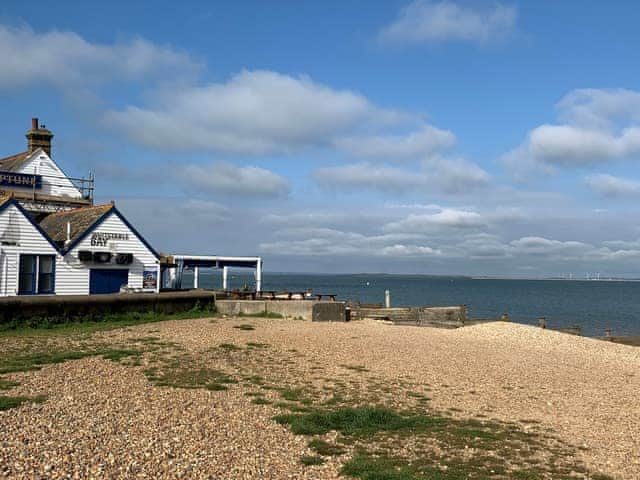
(36, 274)
(45, 274)
(27, 279)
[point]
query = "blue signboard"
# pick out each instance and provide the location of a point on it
(21, 180)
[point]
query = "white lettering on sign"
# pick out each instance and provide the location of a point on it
(99, 239)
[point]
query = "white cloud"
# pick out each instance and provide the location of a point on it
(445, 219)
(436, 174)
(571, 250)
(225, 178)
(596, 126)
(329, 241)
(399, 250)
(455, 176)
(569, 145)
(353, 177)
(541, 245)
(396, 148)
(424, 21)
(68, 61)
(611, 186)
(599, 108)
(446, 239)
(255, 112)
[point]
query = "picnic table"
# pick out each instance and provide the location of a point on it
(274, 295)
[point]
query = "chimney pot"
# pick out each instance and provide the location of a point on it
(34, 123)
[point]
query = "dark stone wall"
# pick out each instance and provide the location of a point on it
(329, 312)
(30, 311)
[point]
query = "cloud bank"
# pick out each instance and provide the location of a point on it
(424, 21)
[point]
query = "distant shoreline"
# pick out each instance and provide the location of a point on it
(426, 275)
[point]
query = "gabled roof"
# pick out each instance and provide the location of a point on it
(80, 220)
(6, 202)
(84, 221)
(14, 162)
(3, 200)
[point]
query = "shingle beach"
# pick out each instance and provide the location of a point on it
(104, 419)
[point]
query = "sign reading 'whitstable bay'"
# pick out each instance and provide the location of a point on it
(22, 180)
(100, 239)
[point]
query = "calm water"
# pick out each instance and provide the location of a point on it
(592, 305)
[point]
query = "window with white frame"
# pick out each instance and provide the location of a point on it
(36, 274)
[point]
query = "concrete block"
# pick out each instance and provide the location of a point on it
(291, 308)
(329, 312)
(240, 307)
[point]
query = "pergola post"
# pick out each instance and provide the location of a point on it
(225, 277)
(259, 275)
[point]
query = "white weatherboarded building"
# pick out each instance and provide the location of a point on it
(54, 241)
(100, 252)
(87, 250)
(27, 256)
(38, 182)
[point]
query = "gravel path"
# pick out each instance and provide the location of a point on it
(105, 420)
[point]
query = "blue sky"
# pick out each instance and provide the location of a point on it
(494, 138)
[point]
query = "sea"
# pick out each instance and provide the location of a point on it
(593, 305)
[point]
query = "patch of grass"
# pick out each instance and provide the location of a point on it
(216, 387)
(26, 362)
(7, 384)
(325, 448)
(356, 368)
(262, 315)
(116, 355)
(361, 421)
(293, 407)
(35, 361)
(229, 347)
(38, 326)
(310, 460)
(260, 401)
(524, 475)
(257, 345)
(255, 379)
(245, 327)
(367, 467)
(12, 402)
(292, 394)
(146, 340)
(200, 377)
(335, 399)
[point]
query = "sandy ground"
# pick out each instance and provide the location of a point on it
(105, 420)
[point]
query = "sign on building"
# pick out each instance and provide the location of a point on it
(20, 180)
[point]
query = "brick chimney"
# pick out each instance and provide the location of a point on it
(38, 137)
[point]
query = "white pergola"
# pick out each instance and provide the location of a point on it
(213, 261)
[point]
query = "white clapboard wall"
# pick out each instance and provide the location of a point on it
(72, 276)
(18, 236)
(54, 180)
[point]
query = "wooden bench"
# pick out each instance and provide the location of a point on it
(330, 296)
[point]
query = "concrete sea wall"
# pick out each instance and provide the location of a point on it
(317, 311)
(443, 317)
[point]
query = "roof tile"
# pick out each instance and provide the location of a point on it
(12, 163)
(81, 219)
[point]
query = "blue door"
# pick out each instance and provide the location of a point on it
(108, 280)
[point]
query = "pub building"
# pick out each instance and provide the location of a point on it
(55, 241)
